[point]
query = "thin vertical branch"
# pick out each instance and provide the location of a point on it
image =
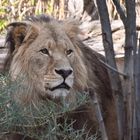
(61, 9)
(137, 95)
(110, 58)
(130, 44)
(99, 117)
(134, 121)
(120, 11)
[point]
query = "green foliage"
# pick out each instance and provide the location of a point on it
(3, 23)
(41, 121)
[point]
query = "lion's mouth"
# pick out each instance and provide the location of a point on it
(62, 85)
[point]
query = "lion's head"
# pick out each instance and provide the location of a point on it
(45, 57)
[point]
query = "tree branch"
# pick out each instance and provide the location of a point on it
(137, 94)
(96, 104)
(111, 68)
(110, 58)
(130, 45)
(120, 11)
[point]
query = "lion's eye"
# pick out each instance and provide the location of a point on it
(68, 52)
(44, 51)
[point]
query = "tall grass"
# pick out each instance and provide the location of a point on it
(11, 10)
(41, 121)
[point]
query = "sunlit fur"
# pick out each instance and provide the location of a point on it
(35, 72)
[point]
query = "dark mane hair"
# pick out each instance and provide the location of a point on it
(39, 18)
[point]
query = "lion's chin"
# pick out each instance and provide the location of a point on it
(58, 93)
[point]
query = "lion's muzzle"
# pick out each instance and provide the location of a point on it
(60, 83)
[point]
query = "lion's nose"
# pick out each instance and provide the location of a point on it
(63, 73)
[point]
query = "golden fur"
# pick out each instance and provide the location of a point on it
(41, 49)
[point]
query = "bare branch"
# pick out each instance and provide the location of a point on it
(120, 11)
(130, 45)
(137, 85)
(99, 116)
(111, 68)
(110, 58)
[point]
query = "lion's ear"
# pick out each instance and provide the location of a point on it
(19, 32)
(16, 33)
(72, 28)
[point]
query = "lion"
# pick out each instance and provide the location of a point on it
(51, 62)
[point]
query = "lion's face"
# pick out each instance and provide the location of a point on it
(46, 57)
(51, 62)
